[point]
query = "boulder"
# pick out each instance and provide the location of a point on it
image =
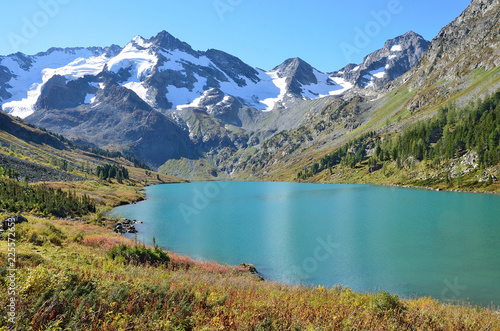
(252, 270)
(17, 219)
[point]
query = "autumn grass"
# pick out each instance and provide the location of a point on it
(76, 285)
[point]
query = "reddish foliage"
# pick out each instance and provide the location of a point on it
(105, 242)
(185, 262)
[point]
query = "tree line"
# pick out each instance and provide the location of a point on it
(112, 171)
(17, 197)
(345, 155)
(450, 134)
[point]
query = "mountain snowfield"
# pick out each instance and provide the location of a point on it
(167, 74)
(29, 74)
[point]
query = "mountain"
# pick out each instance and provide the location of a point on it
(118, 120)
(161, 100)
(168, 74)
(386, 64)
(462, 62)
(458, 71)
(163, 71)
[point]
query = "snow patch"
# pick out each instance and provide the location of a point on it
(343, 83)
(280, 83)
(396, 48)
(356, 68)
(178, 57)
(254, 94)
(378, 73)
(195, 103)
(89, 98)
(140, 61)
(140, 90)
(79, 68)
(182, 96)
(325, 86)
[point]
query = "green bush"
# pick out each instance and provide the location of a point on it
(78, 238)
(139, 255)
(38, 235)
(385, 302)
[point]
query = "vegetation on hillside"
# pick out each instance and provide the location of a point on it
(41, 199)
(449, 135)
(71, 282)
(112, 171)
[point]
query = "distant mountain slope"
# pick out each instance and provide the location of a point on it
(384, 65)
(119, 120)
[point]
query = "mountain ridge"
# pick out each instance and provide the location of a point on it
(200, 103)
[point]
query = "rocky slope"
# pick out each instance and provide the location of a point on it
(36, 172)
(386, 64)
(454, 67)
(461, 65)
(119, 120)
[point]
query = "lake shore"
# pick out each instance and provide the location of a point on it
(74, 283)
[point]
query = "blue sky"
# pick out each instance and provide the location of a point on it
(326, 34)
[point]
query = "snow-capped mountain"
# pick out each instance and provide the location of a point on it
(163, 71)
(386, 64)
(22, 77)
(162, 100)
(298, 79)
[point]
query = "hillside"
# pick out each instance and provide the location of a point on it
(457, 149)
(50, 158)
(451, 73)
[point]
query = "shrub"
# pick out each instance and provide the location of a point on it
(139, 254)
(29, 259)
(38, 234)
(78, 238)
(385, 302)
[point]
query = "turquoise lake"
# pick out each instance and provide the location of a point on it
(405, 241)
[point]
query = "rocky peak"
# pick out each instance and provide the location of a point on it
(468, 43)
(397, 56)
(168, 42)
(409, 38)
(233, 66)
(297, 69)
(112, 51)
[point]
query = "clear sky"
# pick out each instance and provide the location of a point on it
(328, 34)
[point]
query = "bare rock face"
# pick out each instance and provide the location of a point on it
(462, 50)
(386, 64)
(120, 118)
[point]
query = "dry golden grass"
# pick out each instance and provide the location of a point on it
(74, 285)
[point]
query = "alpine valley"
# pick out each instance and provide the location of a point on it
(85, 130)
(205, 115)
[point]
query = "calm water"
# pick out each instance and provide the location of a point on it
(405, 241)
